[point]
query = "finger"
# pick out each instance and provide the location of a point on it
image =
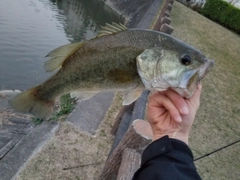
(178, 101)
(158, 100)
(195, 99)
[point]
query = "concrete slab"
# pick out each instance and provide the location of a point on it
(13, 127)
(88, 114)
(13, 130)
(15, 159)
(221, 165)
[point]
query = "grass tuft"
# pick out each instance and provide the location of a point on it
(66, 107)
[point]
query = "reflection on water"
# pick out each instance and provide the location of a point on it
(85, 17)
(29, 29)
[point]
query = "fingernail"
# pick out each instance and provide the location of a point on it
(178, 119)
(199, 86)
(184, 110)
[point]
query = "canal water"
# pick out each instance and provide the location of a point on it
(29, 29)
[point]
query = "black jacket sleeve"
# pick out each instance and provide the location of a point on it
(167, 159)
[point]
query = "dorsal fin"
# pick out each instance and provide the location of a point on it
(111, 29)
(59, 55)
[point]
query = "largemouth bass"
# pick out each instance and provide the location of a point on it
(118, 59)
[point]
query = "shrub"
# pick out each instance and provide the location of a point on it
(224, 13)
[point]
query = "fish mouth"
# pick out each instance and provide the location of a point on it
(208, 67)
(188, 84)
(188, 78)
(195, 76)
(191, 79)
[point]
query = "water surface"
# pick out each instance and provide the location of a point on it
(29, 29)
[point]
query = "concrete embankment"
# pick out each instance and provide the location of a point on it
(141, 14)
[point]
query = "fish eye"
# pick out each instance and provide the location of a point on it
(186, 60)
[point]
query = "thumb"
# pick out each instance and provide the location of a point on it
(195, 99)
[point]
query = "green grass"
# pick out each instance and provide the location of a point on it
(66, 107)
(217, 121)
(37, 121)
(66, 104)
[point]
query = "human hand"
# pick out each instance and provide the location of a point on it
(170, 114)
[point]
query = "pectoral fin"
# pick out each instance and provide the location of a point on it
(81, 96)
(131, 96)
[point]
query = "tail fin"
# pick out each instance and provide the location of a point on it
(28, 102)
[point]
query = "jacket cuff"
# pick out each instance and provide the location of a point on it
(164, 145)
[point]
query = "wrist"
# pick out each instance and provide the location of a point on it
(178, 136)
(183, 139)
